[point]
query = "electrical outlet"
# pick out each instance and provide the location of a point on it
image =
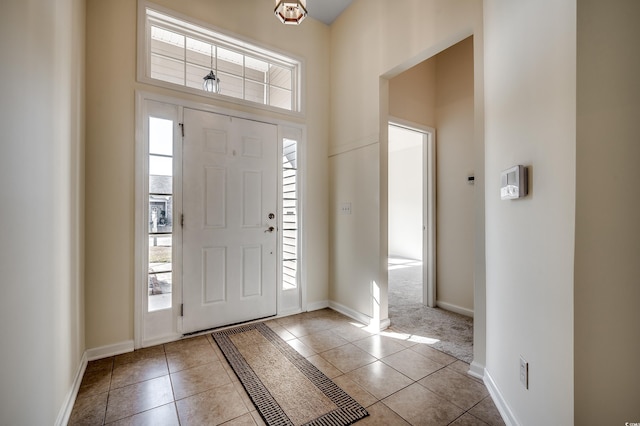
(524, 373)
(345, 208)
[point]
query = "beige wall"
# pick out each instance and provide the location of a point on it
(412, 94)
(41, 167)
(375, 39)
(530, 80)
(607, 245)
(111, 65)
(439, 92)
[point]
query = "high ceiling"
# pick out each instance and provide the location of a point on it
(326, 10)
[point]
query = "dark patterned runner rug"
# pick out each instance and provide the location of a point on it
(285, 388)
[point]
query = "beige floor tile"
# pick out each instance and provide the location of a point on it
(454, 387)
(140, 354)
(352, 332)
(347, 357)
(305, 327)
(100, 365)
(95, 382)
(164, 415)
(139, 397)
(323, 341)
(381, 415)
(463, 368)
(281, 331)
(468, 420)
(420, 406)
(187, 343)
(191, 355)
(325, 366)
(89, 410)
(487, 411)
(212, 407)
(199, 379)
(412, 364)
(379, 379)
(258, 419)
(379, 346)
(302, 349)
(355, 391)
(138, 371)
(244, 420)
(244, 395)
(433, 354)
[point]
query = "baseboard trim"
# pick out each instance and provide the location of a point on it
(350, 312)
(110, 350)
(476, 370)
(161, 340)
(371, 323)
(316, 306)
(67, 407)
(455, 308)
(498, 399)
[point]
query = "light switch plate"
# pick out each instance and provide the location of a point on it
(345, 208)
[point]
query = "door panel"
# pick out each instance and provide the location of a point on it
(230, 188)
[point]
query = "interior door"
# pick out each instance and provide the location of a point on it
(229, 232)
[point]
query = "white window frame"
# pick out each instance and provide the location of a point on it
(202, 30)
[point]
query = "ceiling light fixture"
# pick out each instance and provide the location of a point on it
(291, 12)
(211, 81)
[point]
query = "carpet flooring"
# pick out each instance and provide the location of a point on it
(446, 331)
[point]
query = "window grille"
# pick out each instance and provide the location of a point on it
(179, 54)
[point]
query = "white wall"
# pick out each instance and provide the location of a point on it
(111, 63)
(606, 289)
(405, 193)
(530, 116)
(41, 248)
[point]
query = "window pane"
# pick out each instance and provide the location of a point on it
(199, 53)
(167, 43)
(195, 75)
(230, 62)
(231, 86)
(280, 98)
(280, 77)
(255, 92)
(160, 166)
(160, 253)
(160, 213)
(255, 69)
(167, 69)
(289, 271)
(160, 136)
(160, 291)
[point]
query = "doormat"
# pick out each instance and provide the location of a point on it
(285, 388)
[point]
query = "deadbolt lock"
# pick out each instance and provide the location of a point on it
(272, 216)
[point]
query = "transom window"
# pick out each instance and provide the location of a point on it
(180, 54)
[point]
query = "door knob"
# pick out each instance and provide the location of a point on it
(271, 229)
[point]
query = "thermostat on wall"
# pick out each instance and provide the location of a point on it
(513, 183)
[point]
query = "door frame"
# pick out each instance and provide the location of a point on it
(428, 206)
(169, 327)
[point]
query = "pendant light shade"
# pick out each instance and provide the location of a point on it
(211, 83)
(291, 12)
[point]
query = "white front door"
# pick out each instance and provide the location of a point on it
(230, 220)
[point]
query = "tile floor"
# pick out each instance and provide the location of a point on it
(399, 380)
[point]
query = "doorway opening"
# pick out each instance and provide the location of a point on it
(411, 218)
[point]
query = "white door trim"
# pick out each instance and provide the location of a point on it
(174, 331)
(428, 208)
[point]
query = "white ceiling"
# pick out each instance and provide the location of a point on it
(326, 10)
